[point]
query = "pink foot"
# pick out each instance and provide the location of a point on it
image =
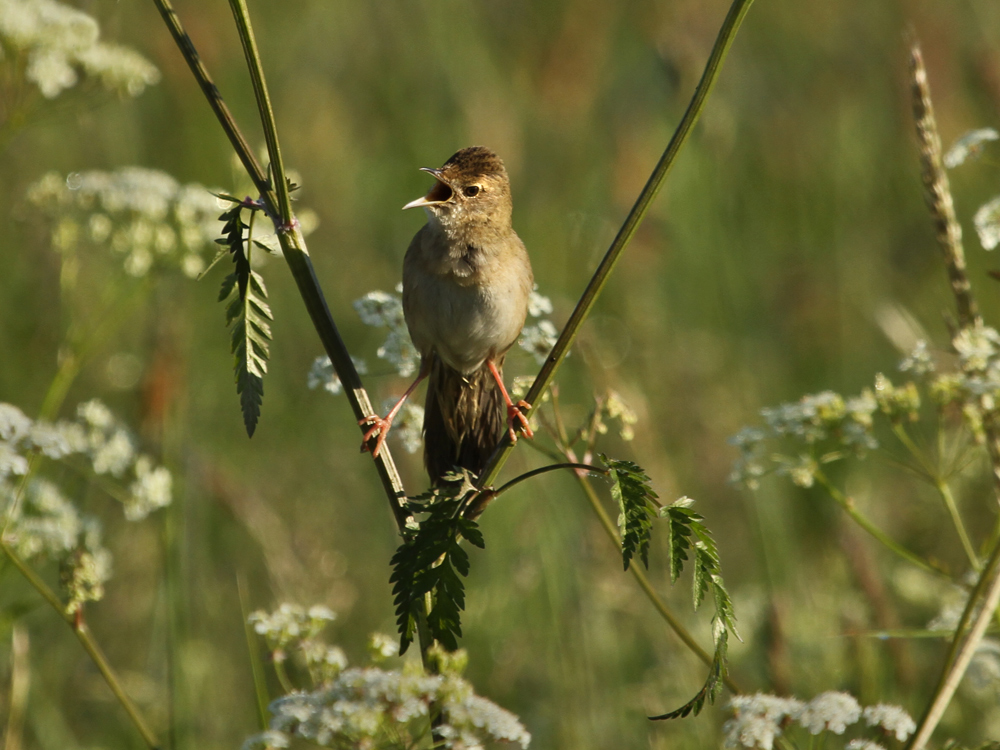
(378, 425)
(514, 413)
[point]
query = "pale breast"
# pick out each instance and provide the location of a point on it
(466, 317)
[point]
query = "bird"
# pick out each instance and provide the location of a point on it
(467, 280)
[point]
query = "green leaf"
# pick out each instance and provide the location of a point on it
(689, 537)
(431, 563)
(630, 487)
(712, 688)
(249, 315)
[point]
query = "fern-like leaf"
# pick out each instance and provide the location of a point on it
(249, 315)
(431, 562)
(712, 688)
(688, 536)
(630, 487)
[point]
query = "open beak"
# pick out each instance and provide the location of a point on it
(440, 193)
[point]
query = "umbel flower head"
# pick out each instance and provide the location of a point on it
(57, 42)
(374, 707)
(143, 216)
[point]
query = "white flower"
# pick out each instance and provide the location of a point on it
(382, 646)
(322, 374)
(50, 70)
(987, 223)
(114, 454)
(150, 491)
(539, 339)
(14, 425)
(616, 408)
(984, 669)
(864, 745)
(919, 362)
(290, 624)
(11, 462)
(269, 740)
(143, 214)
(59, 39)
(538, 305)
(831, 711)
(95, 414)
(382, 309)
(977, 347)
(758, 719)
(969, 145)
(892, 719)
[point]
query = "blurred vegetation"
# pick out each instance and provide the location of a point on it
(790, 236)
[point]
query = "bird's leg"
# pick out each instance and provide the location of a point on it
(381, 426)
(513, 410)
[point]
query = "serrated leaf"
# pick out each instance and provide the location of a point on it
(249, 315)
(431, 561)
(630, 487)
(710, 691)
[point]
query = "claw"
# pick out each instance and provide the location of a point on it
(379, 426)
(514, 413)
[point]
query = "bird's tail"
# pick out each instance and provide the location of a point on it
(464, 419)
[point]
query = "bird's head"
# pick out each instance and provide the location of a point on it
(471, 187)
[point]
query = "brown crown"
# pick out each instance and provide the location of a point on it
(474, 161)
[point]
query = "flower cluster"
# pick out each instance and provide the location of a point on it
(614, 408)
(384, 310)
(825, 418)
(290, 624)
(759, 719)
(322, 375)
(538, 338)
(56, 41)
(370, 706)
(143, 215)
(98, 436)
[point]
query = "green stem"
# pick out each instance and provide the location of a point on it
(949, 503)
(943, 490)
(551, 467)
(87, 641)
(723, 42)
(245, 30)
(957, 659)
(215, 101)
(279, 669)
(259, 681)
(297, 256)
(848, 505)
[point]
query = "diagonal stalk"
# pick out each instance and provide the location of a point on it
(297, 257)
(83, 634)
(723, 42)
(862, 520)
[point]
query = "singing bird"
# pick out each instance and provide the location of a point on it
(466, 283)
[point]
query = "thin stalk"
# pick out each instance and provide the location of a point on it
(958, 658)
(933, 474)
(949, 502)
(249, 42)
(215, 101)
(550, 467)
(259, 681)
(859, 518)
(296, 255)
(723, 42)
(87, 641)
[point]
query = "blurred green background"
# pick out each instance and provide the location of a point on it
(791, 227)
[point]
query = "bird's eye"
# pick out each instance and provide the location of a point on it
(471, 191)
